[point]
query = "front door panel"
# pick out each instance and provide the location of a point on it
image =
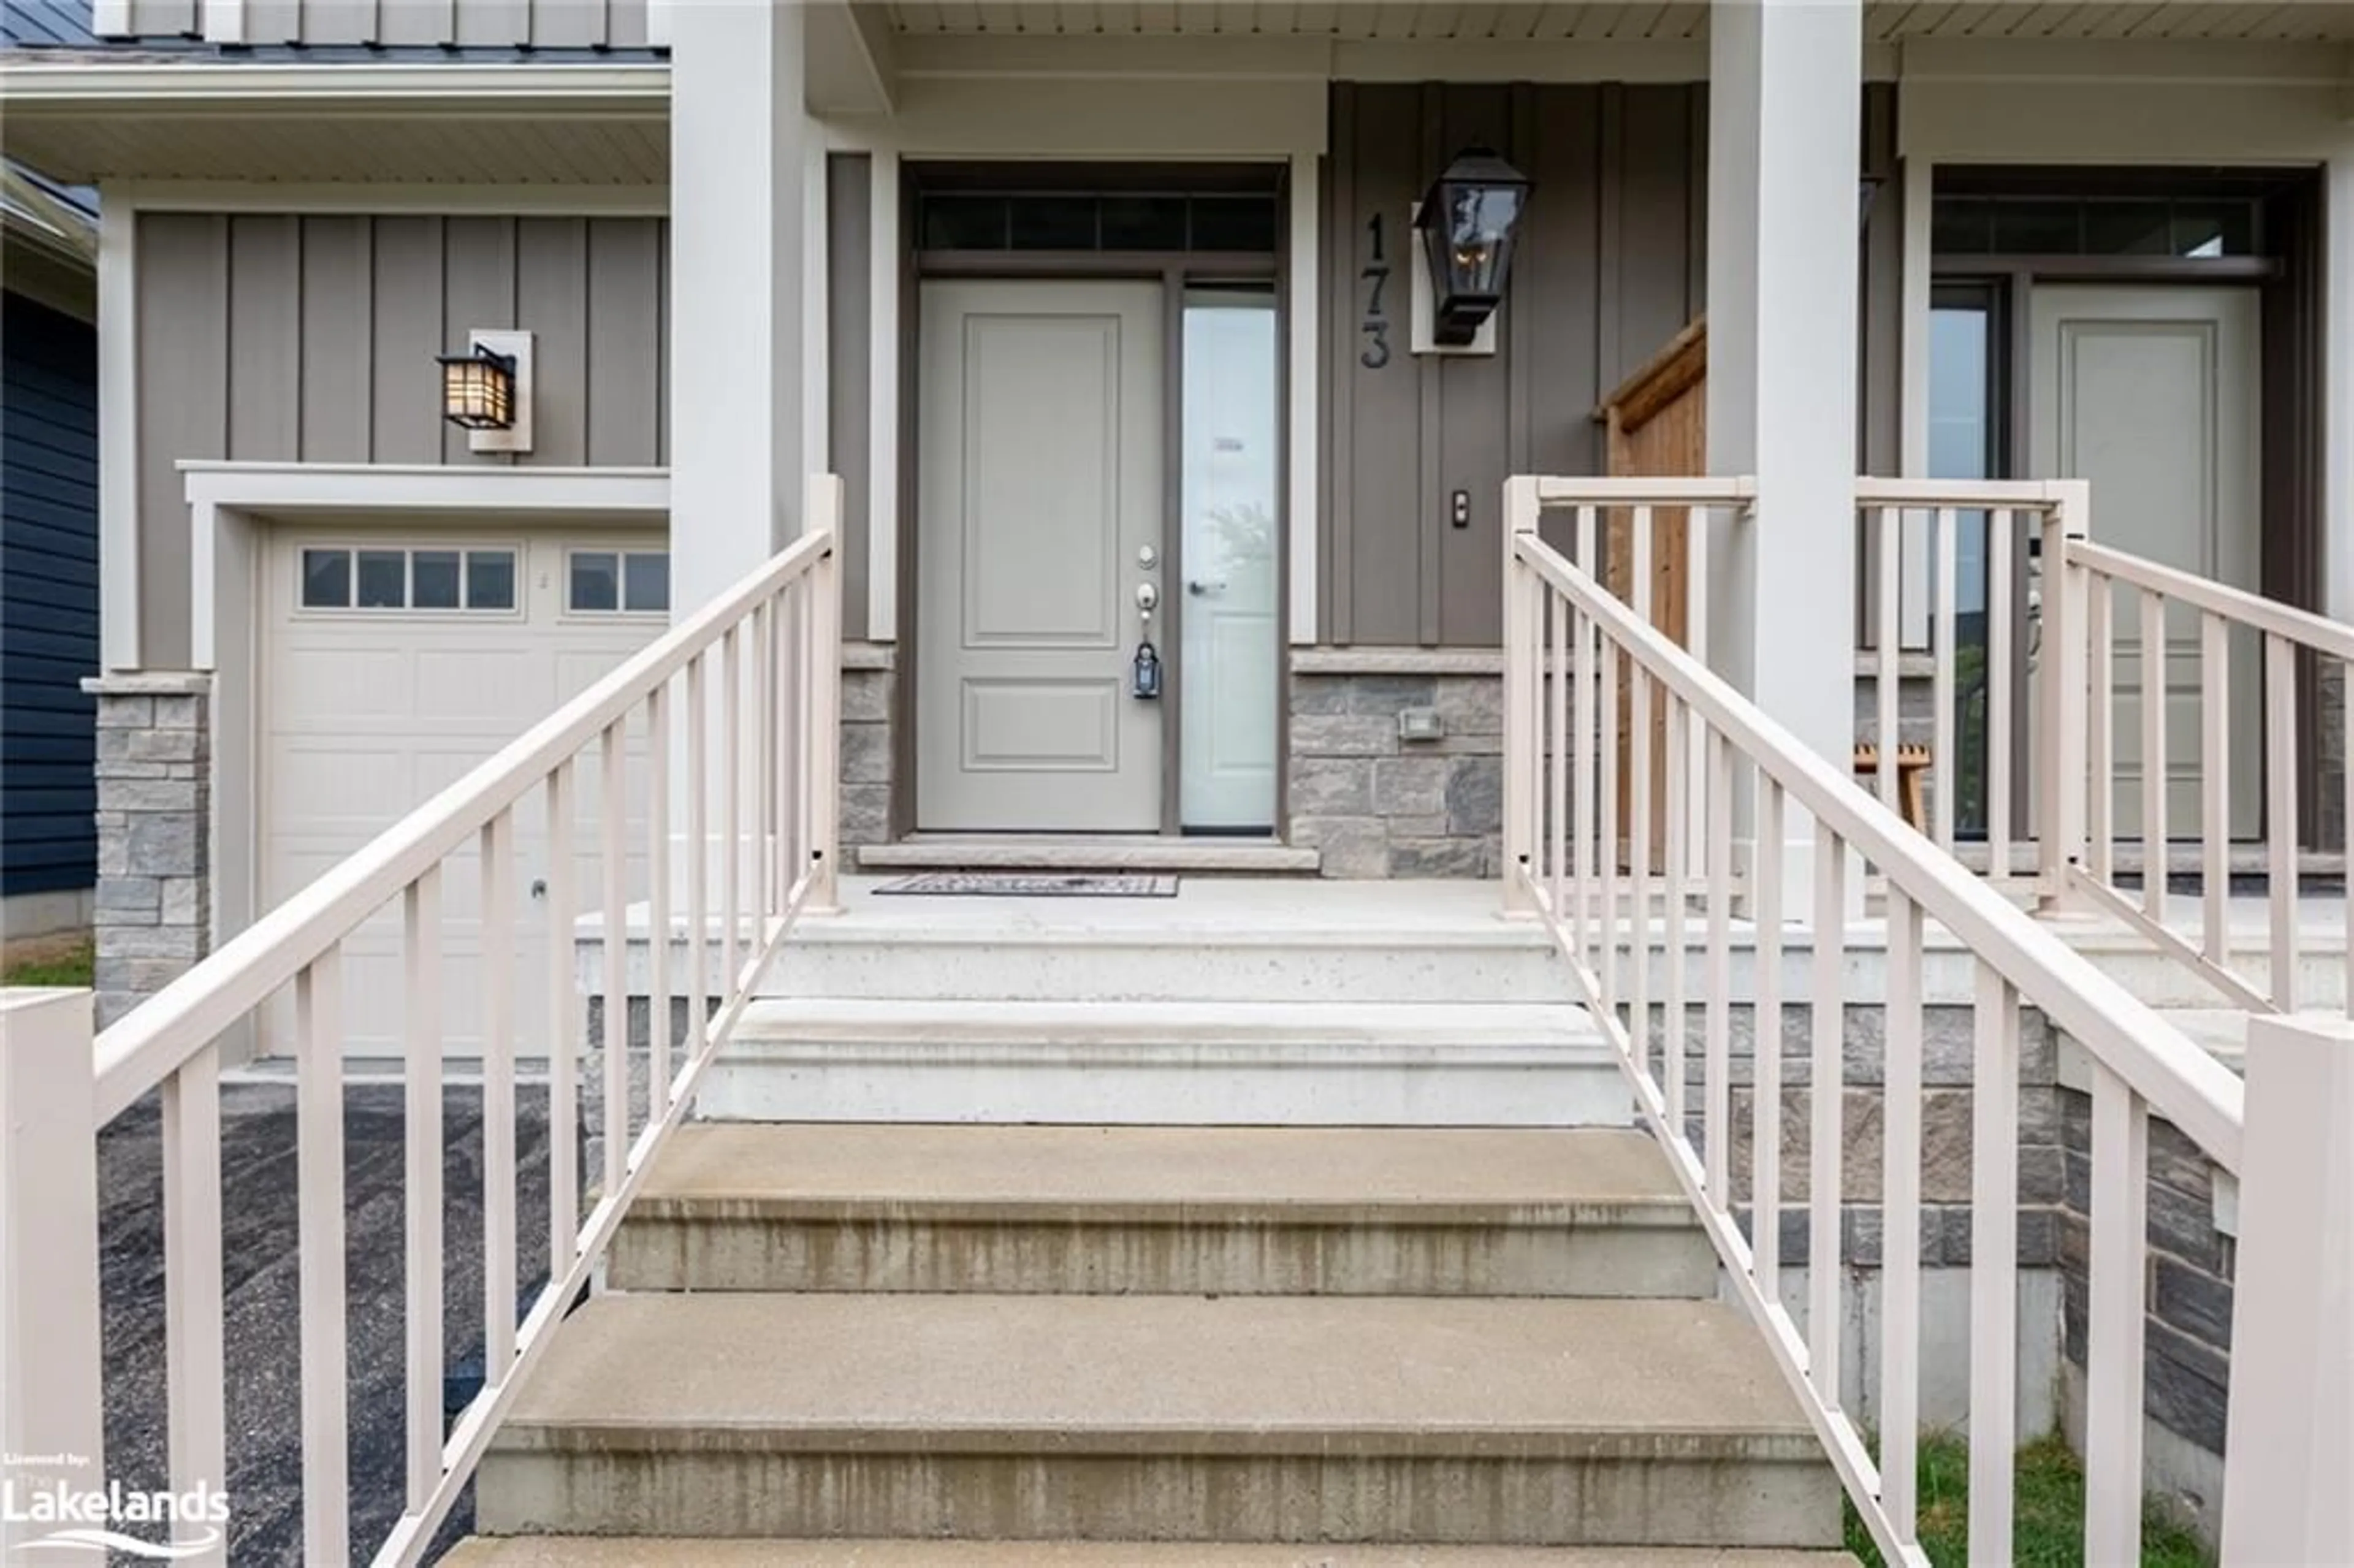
(1040, 489)
(2152, 394)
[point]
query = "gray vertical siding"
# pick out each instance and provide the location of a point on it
(849, 359)
(1612, 263)
(1608, 271)
(267, 338)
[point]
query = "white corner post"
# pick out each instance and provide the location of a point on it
(2289, 1447)
(1785, 146)
(740, 159)
(739, 151)
(50, 1404)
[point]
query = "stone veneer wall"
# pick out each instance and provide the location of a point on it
(153, 906)
(869, 685)
(2186, 1333)
(1378, 806)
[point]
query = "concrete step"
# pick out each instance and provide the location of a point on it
(1222, 1061)
(1081, 851)
(1219, 939)
(1412, 1421)
(1186, 1211)
(590, 1552)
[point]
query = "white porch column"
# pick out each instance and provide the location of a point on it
(1786, 85)
(739, 137)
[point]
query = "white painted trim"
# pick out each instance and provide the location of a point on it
(310, 487)
(878, 50)
(111, 18)
(883, 401)
(1303, 446)
(32, 83)
(817, 290)
(225, 21)
(658, 22)
(2102, 62)
(118, 436)
(373, 200)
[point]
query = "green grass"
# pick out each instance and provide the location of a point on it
(72, 967)
(2047, 1512)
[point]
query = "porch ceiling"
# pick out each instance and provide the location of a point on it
(1392, 20)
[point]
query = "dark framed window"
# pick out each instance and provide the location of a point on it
(1229, 222)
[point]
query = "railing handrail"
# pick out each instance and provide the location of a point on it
(2320, 632)
(1961, 495)
(2180, 1081)
(156, 1038)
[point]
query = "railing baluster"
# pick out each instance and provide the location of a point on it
(498, 944)
(612, 851)
(1900, 1286)
(1581, 806)
(764, 815)
(2280, 813)
(1639, 741)
(1994, 1263)
(2153, 780)
(1556, 804)
(2214, 787)
(1766, 1093)
(2100, 757)
(1717, 1101)
(658, 1026)
(2002, 637)
(1825, 1132)
(2114, 1336)
(1607, 801)
(197, 1423)
(698, 856)
(1674, 1018)
(319, 1249)
(1889, 636)
(1946, 648)
(564, 1034)
(731, 805)
(421, 1075)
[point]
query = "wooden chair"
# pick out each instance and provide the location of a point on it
(1912, 761)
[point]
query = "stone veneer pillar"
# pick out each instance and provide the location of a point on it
(153, 912)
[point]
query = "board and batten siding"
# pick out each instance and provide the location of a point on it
(447, 23)
(48, 598)
(311, 339)
(1611, 264)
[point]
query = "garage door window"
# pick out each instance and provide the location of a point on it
(617, 582)
(377, 579)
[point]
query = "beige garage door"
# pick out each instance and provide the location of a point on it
(394, 662)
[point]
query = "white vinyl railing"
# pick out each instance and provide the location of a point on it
(735, 708)
(1579, 857)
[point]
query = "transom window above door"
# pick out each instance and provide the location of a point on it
(427, 577)
(1228, 222)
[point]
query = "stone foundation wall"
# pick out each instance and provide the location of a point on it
(153, 905)
(1378, 805)
(868, 758)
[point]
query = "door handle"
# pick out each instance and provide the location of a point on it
(1200, 589)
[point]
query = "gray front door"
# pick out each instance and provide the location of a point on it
(1039, 500)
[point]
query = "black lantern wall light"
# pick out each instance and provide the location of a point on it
(1468, 220)
(487, 391)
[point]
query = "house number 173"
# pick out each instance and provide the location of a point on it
(1376, 322)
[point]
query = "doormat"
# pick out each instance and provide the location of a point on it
(1036, 884)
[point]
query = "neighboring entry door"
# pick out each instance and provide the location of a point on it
(2152, 395)
(1039, 503)
(1232, 468)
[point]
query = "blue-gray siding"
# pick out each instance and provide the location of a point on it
(49, 598)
